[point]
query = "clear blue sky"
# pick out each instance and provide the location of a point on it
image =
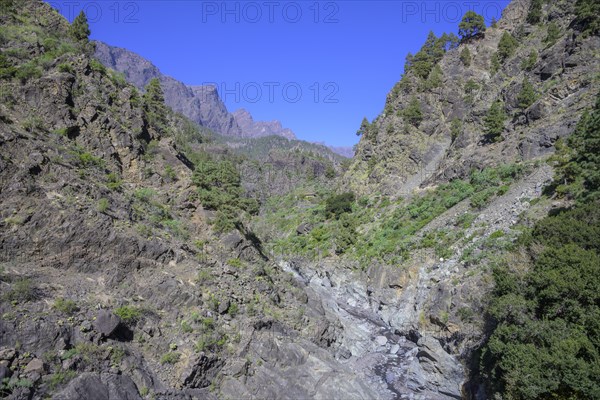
(317, 66)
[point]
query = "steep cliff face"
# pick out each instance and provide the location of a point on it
(201, 104)
(400, 151)
(251, 128)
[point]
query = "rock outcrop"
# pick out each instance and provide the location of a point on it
(251, 128)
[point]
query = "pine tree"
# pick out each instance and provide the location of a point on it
(528, 63)
(553, 34)
(470, 87)
(434, 80)
(588, 15)
(527, 96)
(412, 113)
(494, 121)
(364, 127)
(535, 12)
(408, 62)
(465, 57)
(154, 105)
(80, 29)
(423, 61)
(455, 128)
(506, 46)
(471, 26)
(495, 63)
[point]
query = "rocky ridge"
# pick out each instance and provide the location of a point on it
(396, 156)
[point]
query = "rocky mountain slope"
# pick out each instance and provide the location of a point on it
(447, 139)
(144, 257)
(201, 104)
(253, 129)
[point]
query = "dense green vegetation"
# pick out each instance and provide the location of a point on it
(546, 308)
(373, 228)
(219, 188)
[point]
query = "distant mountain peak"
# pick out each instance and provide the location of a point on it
(251, 128)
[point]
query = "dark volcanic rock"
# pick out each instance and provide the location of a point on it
(106, 322)
(100, 387)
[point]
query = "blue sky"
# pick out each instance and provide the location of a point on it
(317, 66)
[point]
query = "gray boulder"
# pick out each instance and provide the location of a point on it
(106, 323)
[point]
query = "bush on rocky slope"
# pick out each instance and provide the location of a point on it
(546, 341)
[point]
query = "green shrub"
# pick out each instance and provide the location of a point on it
(465, 57)
(337, 205)
(144, 194)
(97, 66)
(65, 67)
(535, 11)
(233, 309)
(235, 262)
(102, 205)
(170, 173)
(128, 313)
(495, 63)
(588, 16)
(176, 228)
(455, 128)
(60, 378)
(412, 113)
(186, 327)
(87, 159)
(465, 314)
(144, 230)
(113, 181)
(466, 220)
(66, 306)
(506, 46)
(553, 34)
(528, 63)
(470, 88)
(28, 71)
(171, 357)
(22, 291)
